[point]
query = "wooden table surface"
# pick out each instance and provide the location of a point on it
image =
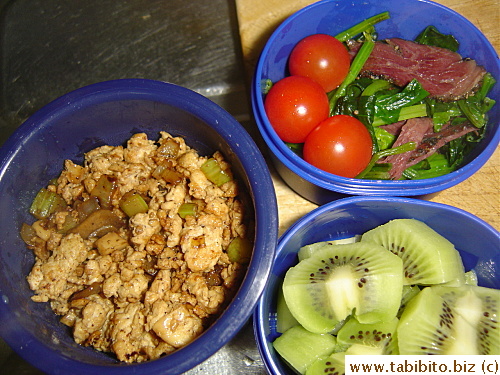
(479, 195)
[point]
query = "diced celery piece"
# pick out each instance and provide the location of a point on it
(166, 171)
(239, 250)
(103, 190)
(171, 176)
(212, 170)
(133, 203)
(46, 202)
(186, 209)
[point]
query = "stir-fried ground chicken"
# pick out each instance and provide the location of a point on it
(118, 260)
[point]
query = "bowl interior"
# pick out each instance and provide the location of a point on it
(109, 113)
(477, 242)
(408, 19)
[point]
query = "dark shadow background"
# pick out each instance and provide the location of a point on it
(49, 48)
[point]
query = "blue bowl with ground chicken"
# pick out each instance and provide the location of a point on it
(408, 18)
(109, 114)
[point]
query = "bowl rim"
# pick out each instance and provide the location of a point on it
(259, 317)
(261, 190)
(355, 186)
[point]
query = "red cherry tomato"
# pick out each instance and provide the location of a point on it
(322, 58)
(340, 145)
(295, 106)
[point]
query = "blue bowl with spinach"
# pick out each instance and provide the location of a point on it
(434, 24)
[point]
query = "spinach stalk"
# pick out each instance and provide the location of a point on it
(357, 64)
(405, 113)
(476, 106)
(388, 107)
(410, 146)
(434, 166)
(362, 26)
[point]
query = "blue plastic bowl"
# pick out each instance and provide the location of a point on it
(477, 241)
(109, 113)
(408, 19)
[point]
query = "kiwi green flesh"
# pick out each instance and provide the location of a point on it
(471, 278)
(361, 349)
(284, 318)
(334, 364)
(428, 257)
(451, 320)
(300, 348)
(380, 335)
(360, 278)
(307, 250)
(480, 308)
(409, 291)
(328, 365)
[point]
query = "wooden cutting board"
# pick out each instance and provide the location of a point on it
(479, 195)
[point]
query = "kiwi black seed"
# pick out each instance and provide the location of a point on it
(423, 251)
(336, 281)
(381, 335)
(333, 364)
(459, 320)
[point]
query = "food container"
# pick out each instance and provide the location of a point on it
(477, 241)
(407, 19)
(110, 113)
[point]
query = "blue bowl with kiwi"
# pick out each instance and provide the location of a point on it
(384, 262)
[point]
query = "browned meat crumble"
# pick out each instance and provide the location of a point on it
(145, 285)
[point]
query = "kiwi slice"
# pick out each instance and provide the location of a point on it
(361, 349)
(451, 320)
(409, 291)
(300, 348)
(428, 257)
(284, 318)
(333, 364)
(471, 278)
(379, 335)
(307, 250)
(336, 281)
